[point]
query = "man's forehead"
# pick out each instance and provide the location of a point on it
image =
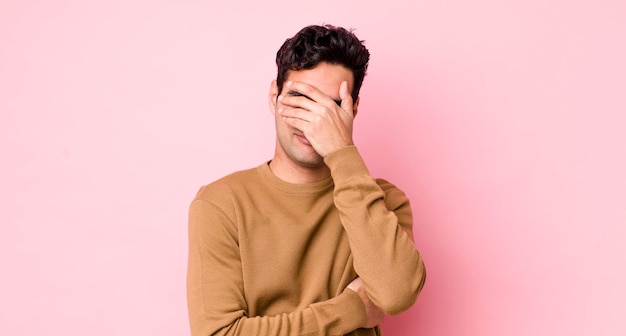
(323, 72)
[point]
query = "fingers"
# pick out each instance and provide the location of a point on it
(346, 98)
(299, 94)
(356, 284)
(296, 107)
(295, 100)
(374, 316)
(299, 124)
(321, 118)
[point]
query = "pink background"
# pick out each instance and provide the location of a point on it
(504, 121)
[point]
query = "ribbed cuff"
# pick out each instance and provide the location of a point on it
(341, 314)
(345, 163)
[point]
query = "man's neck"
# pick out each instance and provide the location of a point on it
(289, 171)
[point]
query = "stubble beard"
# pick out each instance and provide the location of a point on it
(301, 154)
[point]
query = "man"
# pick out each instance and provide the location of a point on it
(307, 243)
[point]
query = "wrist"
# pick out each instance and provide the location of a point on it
(346, 162)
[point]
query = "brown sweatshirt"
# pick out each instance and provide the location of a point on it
(267, 257)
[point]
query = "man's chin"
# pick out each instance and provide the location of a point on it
(312, 161)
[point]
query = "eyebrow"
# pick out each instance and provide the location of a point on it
(298, 94)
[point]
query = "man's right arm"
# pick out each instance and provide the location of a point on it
(215, 288)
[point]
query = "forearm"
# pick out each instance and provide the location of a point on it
(215, 288)
(337, 316)
(380, 234)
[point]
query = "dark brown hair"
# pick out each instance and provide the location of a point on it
(327, 43)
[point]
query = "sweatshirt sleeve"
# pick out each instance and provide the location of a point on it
(215, 288)
(378, 223)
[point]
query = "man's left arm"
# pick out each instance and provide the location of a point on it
(378, 221)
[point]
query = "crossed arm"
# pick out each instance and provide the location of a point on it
(367, 220)
(215, 289)
(376, 218)
(390, 278)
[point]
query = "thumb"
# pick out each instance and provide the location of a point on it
(346, 97)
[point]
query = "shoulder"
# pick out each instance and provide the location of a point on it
(220, 197)
(224, 188)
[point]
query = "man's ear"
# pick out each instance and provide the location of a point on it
(355, 107)
(273, 96)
